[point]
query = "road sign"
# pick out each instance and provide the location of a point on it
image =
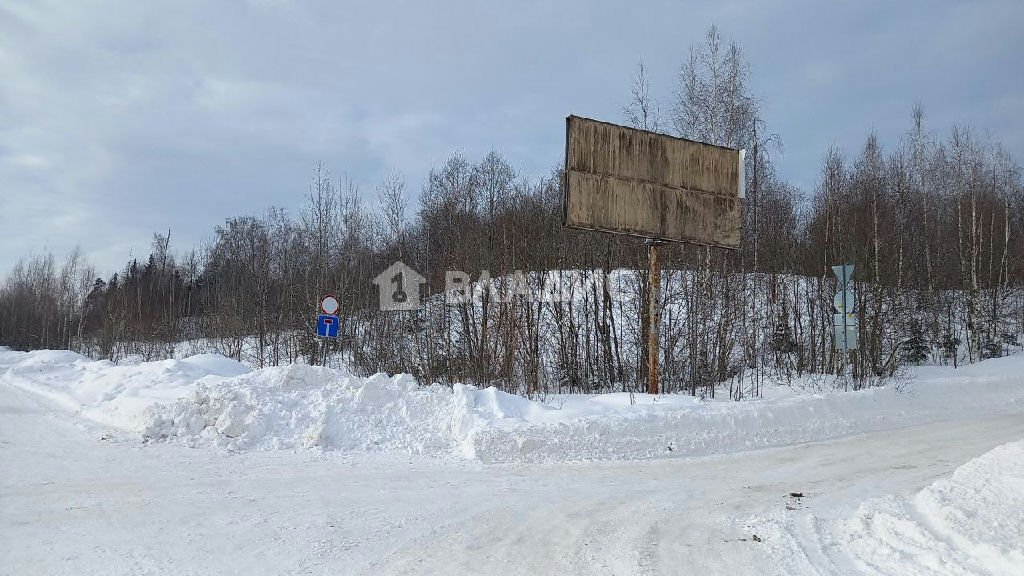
(629, 181)
(843, 273)
(329, 304)
(846, 337)
(845, 301)
(327, 326)
(844, 318)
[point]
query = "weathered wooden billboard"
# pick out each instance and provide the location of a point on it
(665, 189)
(630, 181)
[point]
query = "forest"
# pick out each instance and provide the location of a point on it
(932, 222)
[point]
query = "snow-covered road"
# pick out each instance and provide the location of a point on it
(71, 503)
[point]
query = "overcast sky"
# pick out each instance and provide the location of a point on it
(118, 119)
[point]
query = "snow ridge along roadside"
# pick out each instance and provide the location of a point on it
(115, 395)
(209, 400)
(971, 523)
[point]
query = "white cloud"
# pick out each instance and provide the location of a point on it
(118, 119)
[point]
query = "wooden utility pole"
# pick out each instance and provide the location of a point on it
(653, 314)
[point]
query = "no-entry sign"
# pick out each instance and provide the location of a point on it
(329, 304)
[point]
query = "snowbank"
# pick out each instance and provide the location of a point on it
(114, 395)
(303, 406)
(685, 426)
(309, 406)
(211, 400)
(971, 523)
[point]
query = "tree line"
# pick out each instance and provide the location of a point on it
(933, 224)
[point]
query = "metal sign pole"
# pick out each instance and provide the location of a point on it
(653, 314)
(842, 288)
(848, 326)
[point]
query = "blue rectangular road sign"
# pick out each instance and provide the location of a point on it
(327, 326)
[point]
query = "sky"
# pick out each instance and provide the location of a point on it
(121, 119)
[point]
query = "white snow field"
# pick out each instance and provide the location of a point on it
(201, 466)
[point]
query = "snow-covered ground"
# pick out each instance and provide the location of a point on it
(201, 466)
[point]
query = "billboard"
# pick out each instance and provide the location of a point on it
(630, 181)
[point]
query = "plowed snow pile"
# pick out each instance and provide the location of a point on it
(211, 400)
(308, 406)
(115, 395)
(970, 523)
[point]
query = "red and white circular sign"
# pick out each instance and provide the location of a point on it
(329, 304)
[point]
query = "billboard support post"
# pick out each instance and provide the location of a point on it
(653, 314)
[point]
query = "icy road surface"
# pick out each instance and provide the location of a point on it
(71, 503)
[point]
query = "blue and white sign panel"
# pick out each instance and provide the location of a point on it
(327, 326)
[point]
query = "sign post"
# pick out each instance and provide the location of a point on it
(653, 186)
(654, 314)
